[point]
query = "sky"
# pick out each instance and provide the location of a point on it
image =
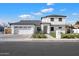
(13, 12)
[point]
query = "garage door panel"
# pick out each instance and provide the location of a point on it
(26, 31)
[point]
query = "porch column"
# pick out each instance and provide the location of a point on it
(42, 27)
(48, 29)
(12, 28)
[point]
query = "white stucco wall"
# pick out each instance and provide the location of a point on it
(12, 27)
(56, 27)
(55, 22)
(48, 27)
(75, 30)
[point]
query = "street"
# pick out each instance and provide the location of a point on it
(39, 48)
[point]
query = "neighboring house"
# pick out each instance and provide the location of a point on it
(69, 28)
(47, 24)
(76, 27)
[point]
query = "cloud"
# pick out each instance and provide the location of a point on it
(50, 4)
(26, 16)
(75, 14)
(47, 10)
(2, 23)
(38, 13)
(64, 9)
(41, 12)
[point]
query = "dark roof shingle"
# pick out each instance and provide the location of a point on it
(27, 22)
(54, 16)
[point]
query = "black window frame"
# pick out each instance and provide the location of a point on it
(60, 27)
(16, 27)
(52, 29)
(60, 19)
(52, 19)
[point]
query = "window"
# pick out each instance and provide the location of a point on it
(20, 26)
(52, 19)
(16, 27)
(60, 19)
(38, 29)
(27, 26)
(60, 27)
(52, 28)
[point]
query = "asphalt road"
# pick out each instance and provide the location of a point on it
(39, 48)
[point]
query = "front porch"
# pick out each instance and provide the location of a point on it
(45, 28)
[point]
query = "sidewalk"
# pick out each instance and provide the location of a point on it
(27, 39)
(38, 40)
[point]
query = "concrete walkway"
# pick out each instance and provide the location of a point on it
(49, 36)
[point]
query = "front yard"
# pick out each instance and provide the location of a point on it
(68, 36)
(53, 34)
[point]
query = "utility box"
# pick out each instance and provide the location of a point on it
(58, 34)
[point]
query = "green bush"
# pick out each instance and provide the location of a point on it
(77, 35)
(68, 36)
(39, 35)
(53, 34)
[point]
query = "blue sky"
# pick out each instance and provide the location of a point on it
(11, 12)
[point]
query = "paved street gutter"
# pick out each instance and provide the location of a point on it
(39, 40)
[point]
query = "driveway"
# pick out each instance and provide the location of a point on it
(9, 36)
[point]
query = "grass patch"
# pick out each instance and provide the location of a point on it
(53, 34)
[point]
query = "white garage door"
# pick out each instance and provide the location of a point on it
(27, 31)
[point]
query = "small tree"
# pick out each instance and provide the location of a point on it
(77, 22)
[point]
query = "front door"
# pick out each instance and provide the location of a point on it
(45, 29)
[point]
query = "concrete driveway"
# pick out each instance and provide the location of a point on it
(9, 36)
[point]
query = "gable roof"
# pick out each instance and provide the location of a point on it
(27, 22)
(54, 16)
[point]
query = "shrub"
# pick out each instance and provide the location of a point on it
(68, 36)
(39, 35)
(77, 35)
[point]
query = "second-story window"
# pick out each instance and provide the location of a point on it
(52, 19)
(60, 19)
(16, 27)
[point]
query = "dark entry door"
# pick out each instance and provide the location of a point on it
(45, 29)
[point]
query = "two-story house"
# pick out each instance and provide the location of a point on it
(47, 24)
